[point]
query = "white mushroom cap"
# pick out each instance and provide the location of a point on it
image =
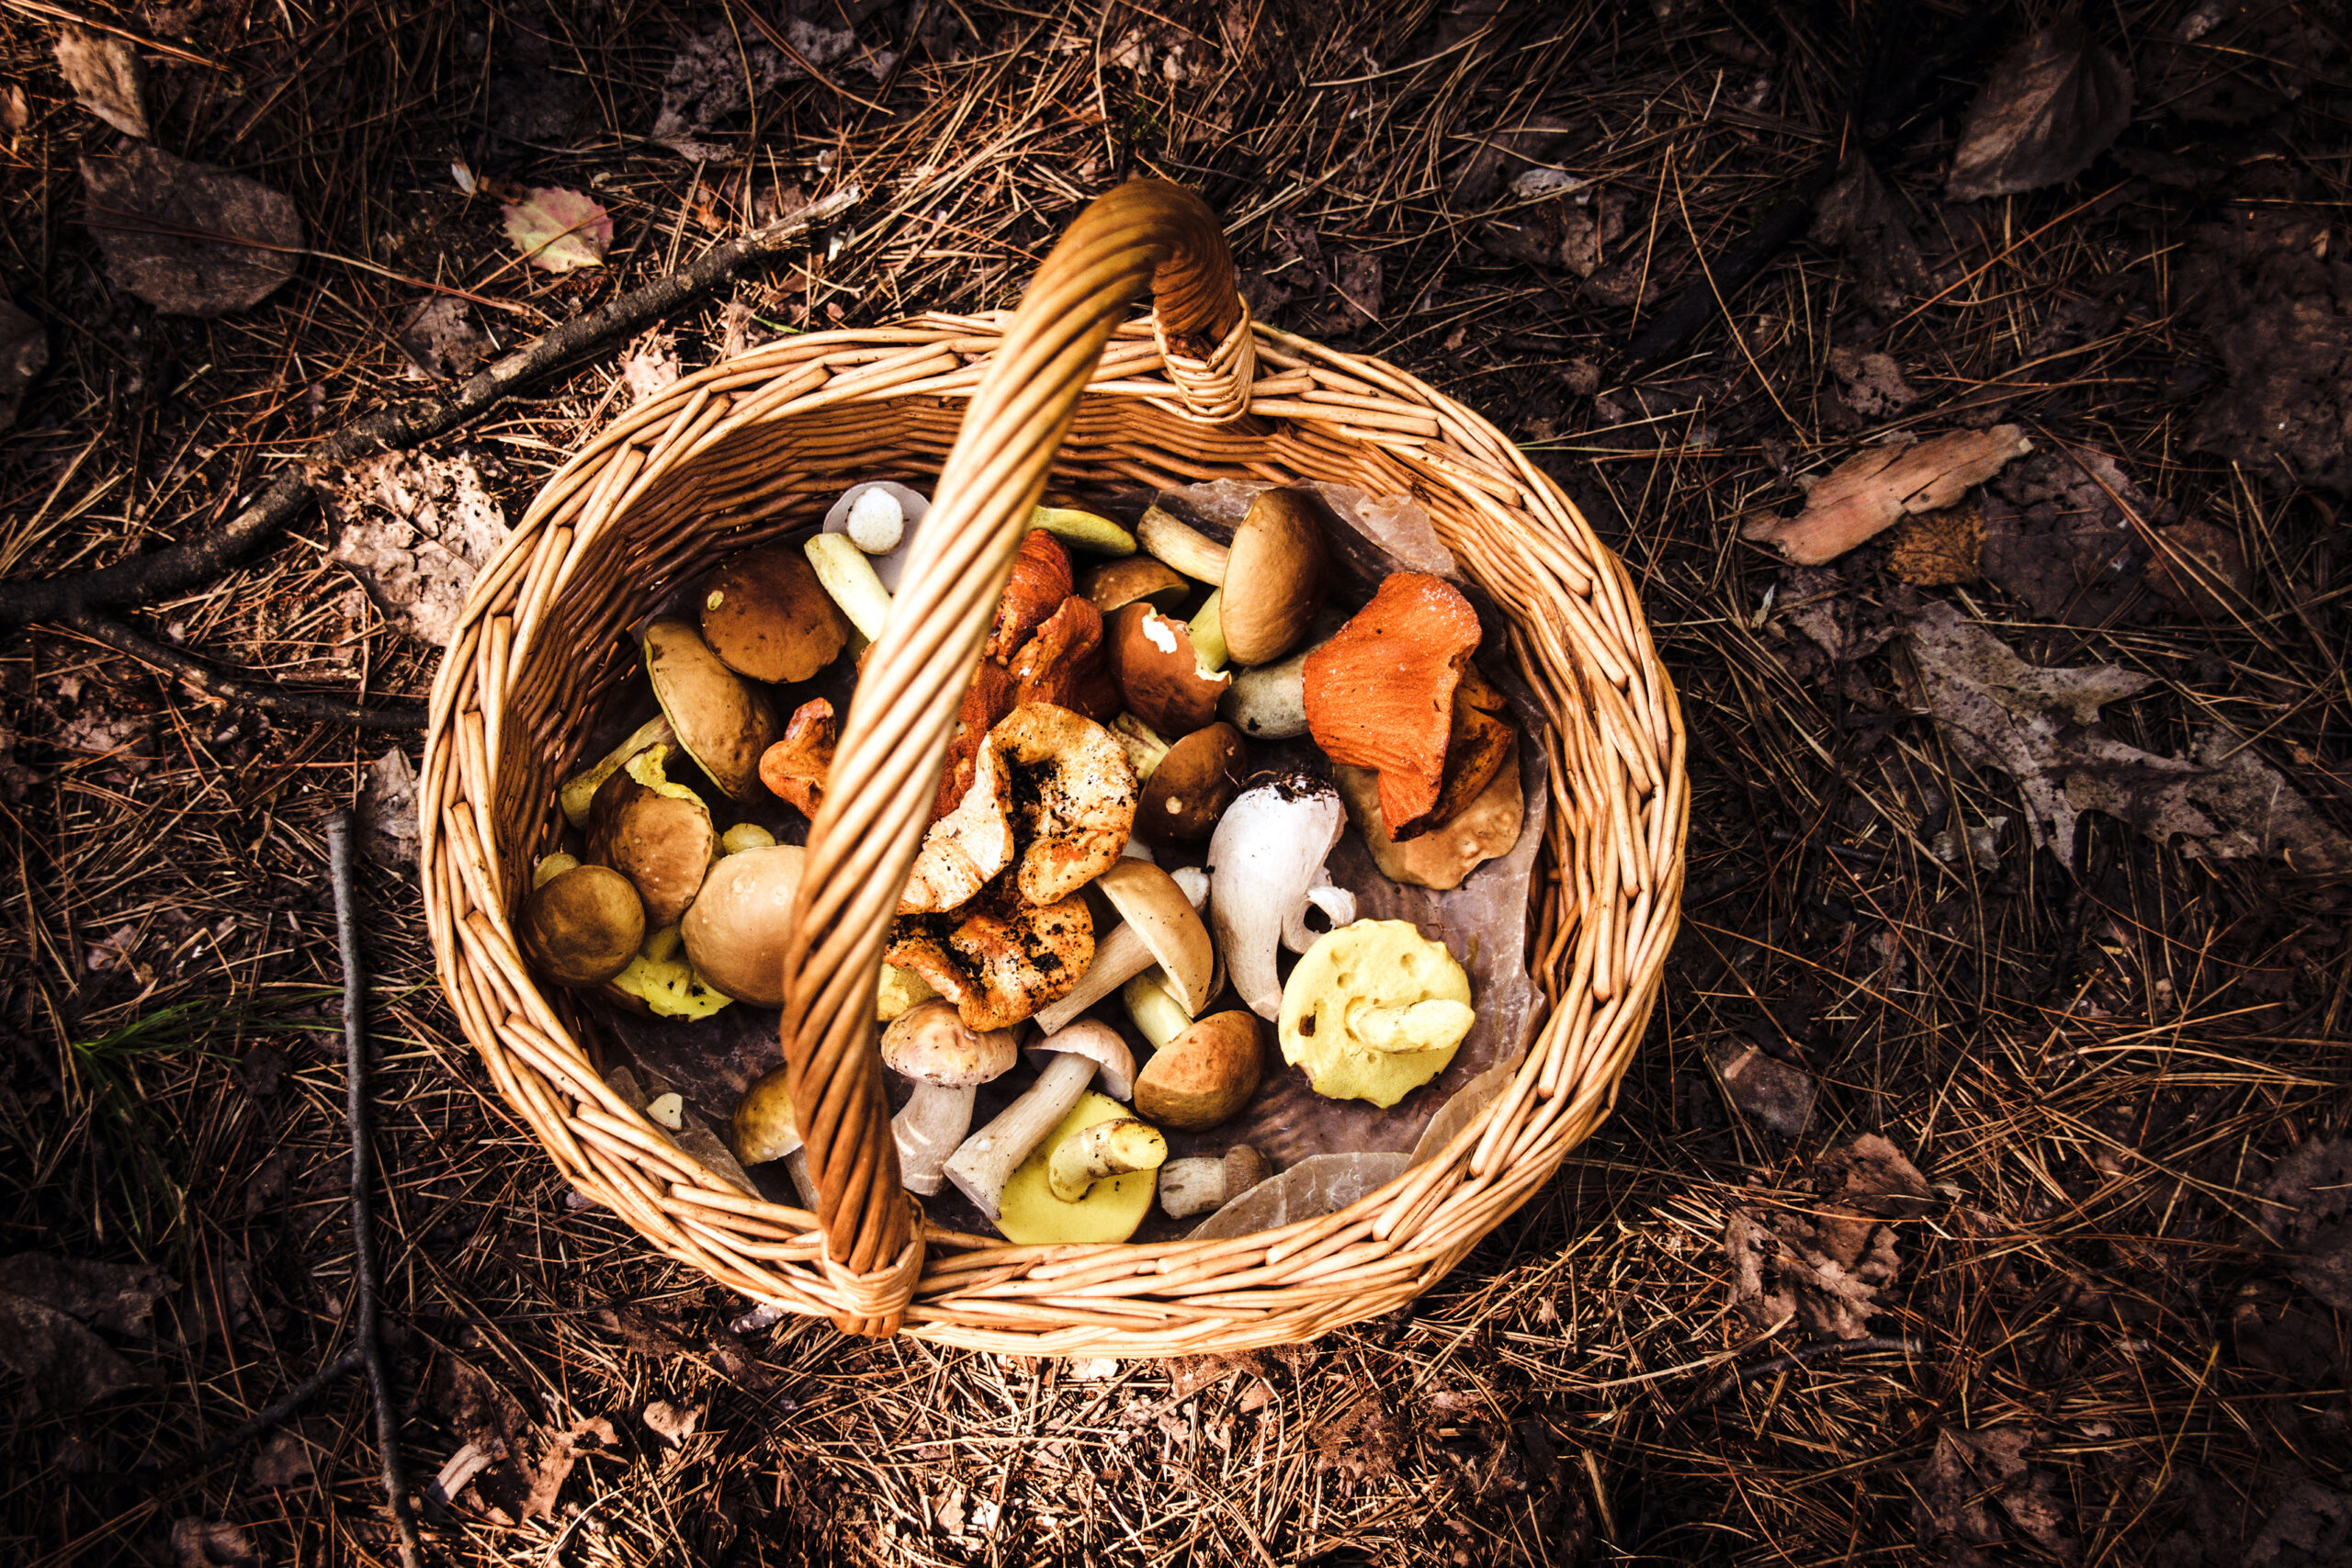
(1100, 1043)
(930, 1041)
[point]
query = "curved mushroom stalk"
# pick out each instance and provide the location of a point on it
(1159, 925)
(927, 1129)
(1117, 1147)
(948, 1061)
(987, 1159)
(1266, 871)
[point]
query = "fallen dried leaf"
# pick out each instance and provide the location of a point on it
(189, 239)
(562, 1450)
(415, 528)
(672, 1423)
(2200, 567)
(1502, 155)
(1766, 1087)
(2225, 801)
(1870, 384)
(717, 73)
(2053, 104)
(440, 337)
(1971, 1472)
(557, 229)
(1868, 492)
(649, 364)
(24, 354)
(106, 78)
(2226, 64)
(284, 1460)
(1871, 233)
(2311, 1527)
(2062, 532)
(1363, 1438)
(1937, 550)
(388, 822)
(211, 1544)
(49, 1308)
(1826, 1266)
(2308, 1204)
(2275, 302)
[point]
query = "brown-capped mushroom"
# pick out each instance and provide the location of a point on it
(1160, 673)
(1204, 1075)
(1068, 1060)
(1443, 855)
(1380, 694)
(582, 787)
(1273, 579)
(948, 1061)
(735, 928)
(721, 720)
(656, 832)
(1159, 924)
(794, 769)
(1188, 1187)
(1192, 784)
(765, 616)
(582, 924)
(1179, 544)
(1116, 584)
(1040, 582)
(766, 1127)
(998, 960)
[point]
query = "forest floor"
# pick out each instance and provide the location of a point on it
(2059, 956)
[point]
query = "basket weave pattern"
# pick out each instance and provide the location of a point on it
(1065, 391)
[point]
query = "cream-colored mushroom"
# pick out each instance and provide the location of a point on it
(1072, 1056)
(1158, 925)
(948, 1062)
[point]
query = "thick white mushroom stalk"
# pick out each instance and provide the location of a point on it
(1266, 871)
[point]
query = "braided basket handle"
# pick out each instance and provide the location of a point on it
(893, 743)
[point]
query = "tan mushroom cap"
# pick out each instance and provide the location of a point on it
(735, 930)
(1273, 581)
(766, 1127)
(1204, 1075)
(583, 926)
(765, 616)
(1192, 785)
(1159, 671)
(1099, 1044)
(1116, 584)
(722, 721)
(1149, 901)
(653, 832)
(931, 1041)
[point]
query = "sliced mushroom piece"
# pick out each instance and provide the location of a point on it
(1441, 858)
(722, 721)
(1180, 545)
(656, 832)
(912, 508)
(963, 852)
(1158, 925)
(1161, 674)
(1380, 694)
(998, 961)
(1188, 1187)
(794, 768)
(660, 981)
(735, 928)
(1116, 584)
(1274, 575)
(765, 616)
(948, 1061)
(981, 1165)
(766, 1128)
(581, 788)
(1041, 580)
(1204, 1075)
(1192, 785)
(1101, 1150)
(1266, 870)
(1111, 1208)
(583, 925)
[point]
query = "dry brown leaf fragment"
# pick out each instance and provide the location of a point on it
(2200, 567)
(2308, 1206)
(2053, 103)
(284, 1460)
(415, 528)
(441, 339)
(1939, 548)
(650, 365)
(189, 239)
(50, 1310)
(211, 1544)
(557, 229)
(1774, 1093)
(1872, 384)
(1969, 1475)
(24, 354)
(388, 822)
(1868, 492)
(107, 77)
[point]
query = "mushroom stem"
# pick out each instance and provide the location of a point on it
(850, 581)
(1118, 958)
(979, 1166)
(1188, 1187)
(1105, 1149)
(1208, 634)
(927, 1128)
(582, 787)
(1142, 743)
(1182, 546)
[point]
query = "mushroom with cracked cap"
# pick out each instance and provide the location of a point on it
(1195, 1186)
(1164, 677)
(581, 924)
(656, 832)
(722, 721)
(948, 1061)
(1266, 870)
(765, 616)
(998, 960)
(1070, 1059)
(1373, 1010)
(1158, 925)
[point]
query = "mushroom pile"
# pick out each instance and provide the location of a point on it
(1107, 886)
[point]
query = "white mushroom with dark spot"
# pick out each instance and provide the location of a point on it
(948, 1062)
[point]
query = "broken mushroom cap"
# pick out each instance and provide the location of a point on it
(1158, 924)
(1041, 580)
(581, 926)
(1266, 870)
(1068, 1061)
(1108, 1210)
(1380, 694)
(765, 616)
(947, 1059)
(1274, 578)
(1373, 1010)
(1116, 584)
(997, 961)
(1052, 782)
(912, 509)
(794, 769)
(1064, 663)
(722, 722)
(1188, 1187)
(1482, 742)
(1204, 1075)
(1442, 856)
(1192, 784)
(1161, 676)
(655, 832)
(735, 928)
(660, 981)
(895, 990)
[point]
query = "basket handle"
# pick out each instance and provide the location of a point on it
(893, 742)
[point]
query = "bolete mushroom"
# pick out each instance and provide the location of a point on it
(1192, 784)
(1158, 925)
(1373, 1010)
(765, 616)
(1195, 1186)
(581, 788)
(1154, 1009)
(1098, 1151)
(909, 508)
(1097, 1136)
(794, 768)
(581, 924)
(1116, 584)
(1068, 1060)
(1161, 675)
(722, 721)
(1204, 1075)
(998, 960)
(1266, 870)
(1274, 578)
(735, 928)
(1442, 856)
(850, 581)
(1380, 694)
(1182, 546)
(1050, 783)
(766, 1128)
(656, 832)
(948, 1061)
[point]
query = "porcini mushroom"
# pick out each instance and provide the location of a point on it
(1050, 783)
(1161, 676)
(794, 768)
(1442, 857)
(1273, 576)
(582, 787)
(1168, 536)
(1192, 784)
(581, 925)
(998, 960)
(1266, 870)
(765, 616)
(1070, 1057)
(1195, 1186)
(1096, 1135)
(721, 720)
(1158, 1016)
(1380, 694)
(1204, 1075)
(1373, 1010)
(1114, 585)
(948, 1061)
(766, 1128)
(735, 928)
(1158, 925)
(912, 508)
(656, 832)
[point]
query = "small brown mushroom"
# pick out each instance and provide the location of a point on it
(1160, 673)
(1273, 580)
(794, 769)
(765, 616)
(1159, 924)
(1188, 1187)
(735, 930)
(653, 832)
(1204, 1075)
(1380, 694)
(581, 926)
(722, 722)
(998, 961)
(1116, 584)
(1192, 784)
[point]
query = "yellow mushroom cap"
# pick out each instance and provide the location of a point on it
(1373, 1010)
(1030, 1214)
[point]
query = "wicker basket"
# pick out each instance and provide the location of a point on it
(1066, 387)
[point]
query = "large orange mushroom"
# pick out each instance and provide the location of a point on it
(1380, 694)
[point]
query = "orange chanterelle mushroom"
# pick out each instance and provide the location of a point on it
(1381, 693)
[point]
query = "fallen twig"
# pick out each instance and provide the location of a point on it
(367, 1337)
(286, 702)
